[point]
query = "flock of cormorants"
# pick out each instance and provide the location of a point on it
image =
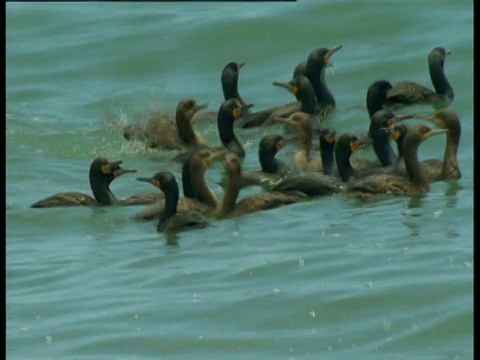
(322, 163)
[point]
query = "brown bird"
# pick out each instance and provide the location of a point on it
(416, 182)
(262, 201)
(446, 169)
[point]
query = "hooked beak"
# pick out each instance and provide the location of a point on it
(399, 118)
(329, 54)
(148, 180)
(434, 133)
(122, 171)
(218, 155)
(240, 65)
(200, 107)
(287, 85)
(196, 109)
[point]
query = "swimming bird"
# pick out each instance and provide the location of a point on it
(382, 119)
(262, 201)
(197, 195)
(448, 168)
(314, 70)
(229, 111)
(164, 134)
(327, 148)
(377, 96)
(272, 169)
(317, 62)
(102, 173)
(171, 219)
(303, 90)
(408, 92)
(416, 182)
(398, 133)
(229, 81)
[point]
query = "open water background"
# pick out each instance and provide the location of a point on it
(322, 279)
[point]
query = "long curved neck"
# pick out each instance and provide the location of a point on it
(414, 170)
(232, 190)
(101, 191)
(326, 152)
(228, 138)
(316, 75)
(375, 100)
(185, 129)
(439, 80)
(230, 90)
(171, 202)
(450, 167)
(200, 186)
(268, 162)
(188, 191)
(308, 103)
(344, 166)
(400, 148)
(384, 151)
(302, 151)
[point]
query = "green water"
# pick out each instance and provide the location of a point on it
(322, 279)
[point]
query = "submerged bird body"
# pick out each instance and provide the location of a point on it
(317, 62)
(102, 173)
(258, 202)
(409, 92)
(446, 169)
(181, 135)
(381, 136)
(172, 220)
(272, 169)
(197, 195)
(417, 181)
(376, 96)
(314, 70)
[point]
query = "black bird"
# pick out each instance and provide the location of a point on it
(102, 173)
(398, 133)
(314, 70)
(408, 92)
(272, 169)
(317, 62)
(377, 96)
(229, 111)
(172, 220)
(327, 148)
(196, 193)
(383, 119)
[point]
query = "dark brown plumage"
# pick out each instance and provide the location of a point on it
(262, 201)
(408, 92)
(416, 182)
